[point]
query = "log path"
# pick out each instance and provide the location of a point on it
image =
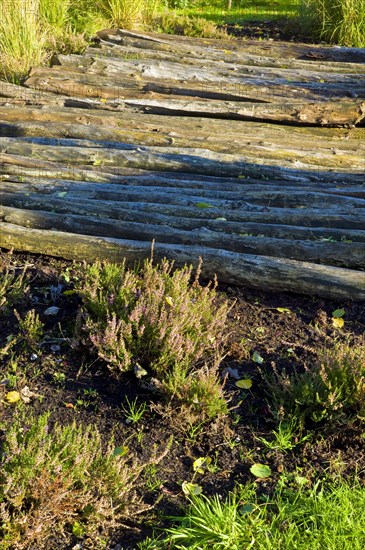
(249, 154)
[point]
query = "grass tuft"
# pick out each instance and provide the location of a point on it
(336, 21)
(327, 516)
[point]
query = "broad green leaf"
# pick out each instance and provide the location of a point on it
(203, 205)
(283, 310)
(201, 463)
(191, 488)
(244, 384)
(338, 313)
(338, 322)
(260, 470)
(120, 451)
(256, 358)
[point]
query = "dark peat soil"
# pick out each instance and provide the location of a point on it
(284, 339)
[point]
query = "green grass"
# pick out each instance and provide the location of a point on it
(327, 516)
(242, 10)
(335, 21)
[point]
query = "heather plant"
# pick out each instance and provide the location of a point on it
(63, 480)
(156, 321)
(31, 328)
(332, 389)
(13, 285)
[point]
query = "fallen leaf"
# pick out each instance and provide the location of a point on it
(12, 396)
(26, 394)
(191, 488)
(201, 463)
(203, 205)
(70, 405)
(246, 509)
(244, 384)
(169, 301)
(283, 310)
(338, 313)
(256, 358)
(120, 451)
(260, 471)
(338, 322)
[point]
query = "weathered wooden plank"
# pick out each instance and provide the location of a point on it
(243, 269)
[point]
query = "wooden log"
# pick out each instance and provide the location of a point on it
(279, 50)
(188, 160)
(304, 217)
(129, 48)
(318, 114)
(275, 274)
(343, 141)
(350, 255)
(321, 157)
(276, 230)
(241, 197)
(260, 67)
(125, 79)
(182, 182)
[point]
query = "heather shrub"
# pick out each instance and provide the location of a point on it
(13, 283)
(158, 322)
(61, 481)
(332, 389)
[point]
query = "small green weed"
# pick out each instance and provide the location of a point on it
(134, 413)
(285, 438)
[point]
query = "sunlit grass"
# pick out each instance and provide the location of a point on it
(336, 21)
(329, 515)
(241, 10)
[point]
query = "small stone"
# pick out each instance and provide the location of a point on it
(33, 357)
(53, 310)
(55, 348)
